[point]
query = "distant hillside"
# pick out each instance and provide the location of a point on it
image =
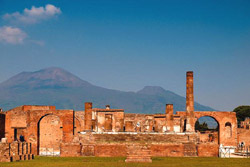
(55, 86)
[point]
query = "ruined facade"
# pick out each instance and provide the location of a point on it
(110, 132)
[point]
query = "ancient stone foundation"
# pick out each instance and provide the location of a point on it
(15, 151)
(138, 153)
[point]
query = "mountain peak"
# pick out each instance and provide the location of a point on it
(152, 90)
(54, 77)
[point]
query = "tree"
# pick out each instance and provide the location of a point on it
(242, 112)
(201, 127)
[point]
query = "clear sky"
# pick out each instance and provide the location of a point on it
(128, 44)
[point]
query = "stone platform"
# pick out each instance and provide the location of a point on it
(138, 153)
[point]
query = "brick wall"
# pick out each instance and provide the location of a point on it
(15, 151)
(137, 137)
(70, 149)
(167, 150)
(208, 150)
(244, 136)
(110, 150)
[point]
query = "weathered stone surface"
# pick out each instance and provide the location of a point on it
(13, 152)
(138, 153)
(70, 149)
(208, 150)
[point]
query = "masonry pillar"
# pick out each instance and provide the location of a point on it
(169, 117)
(88, 116)
(190, 102)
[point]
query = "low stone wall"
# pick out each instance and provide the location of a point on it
(167, 150)
(110, 150)
(15, 151)
(70, 149)
(208, 150)
(160, 144)
(157, 150)
(150, 138)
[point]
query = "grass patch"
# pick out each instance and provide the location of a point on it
(119, 162)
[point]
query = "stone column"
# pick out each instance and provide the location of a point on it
(88, 116)
(169, 117)
(190, 102)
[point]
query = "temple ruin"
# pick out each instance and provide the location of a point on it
(111, 132)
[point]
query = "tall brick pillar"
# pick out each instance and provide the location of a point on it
(190, 102)
(88, 116)
(169, 117)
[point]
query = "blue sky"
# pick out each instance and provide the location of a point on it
(129, 44)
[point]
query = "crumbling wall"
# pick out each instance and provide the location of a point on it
(109, 120)
(79, 122)
(15, 151)
(160, 123)
(208, 137)
(93, 138)
(26, 119)
(244, 136)
(139, 122)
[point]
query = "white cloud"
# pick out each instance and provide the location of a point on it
(12, 35)
(34, 15)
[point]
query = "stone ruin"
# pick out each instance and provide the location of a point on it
(111, 132)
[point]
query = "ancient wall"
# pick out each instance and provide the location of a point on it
(208, 150)
(139, 122)
(79, 122)
(33, 125)
(108, 120)
(15, 151)
(244, 136)
(167, 150)
(227, 122)
(15, 120)
(208, 137)
(160, 123)
(51, 135)
(95, 138)
(70, 149)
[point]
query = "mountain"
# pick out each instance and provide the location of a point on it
(55, 86)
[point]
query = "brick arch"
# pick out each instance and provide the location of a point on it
(34, 118)
(222, 118)
(200, 116)
(49, 134)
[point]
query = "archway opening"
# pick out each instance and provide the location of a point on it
(208, 129)
(50, 135)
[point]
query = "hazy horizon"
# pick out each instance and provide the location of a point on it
(126, 45)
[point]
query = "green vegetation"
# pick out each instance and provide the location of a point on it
(201, 127)
(119, 162)
(242, 112)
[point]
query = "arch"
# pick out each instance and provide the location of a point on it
(49, 135)
(206, 133)
(228, 130)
